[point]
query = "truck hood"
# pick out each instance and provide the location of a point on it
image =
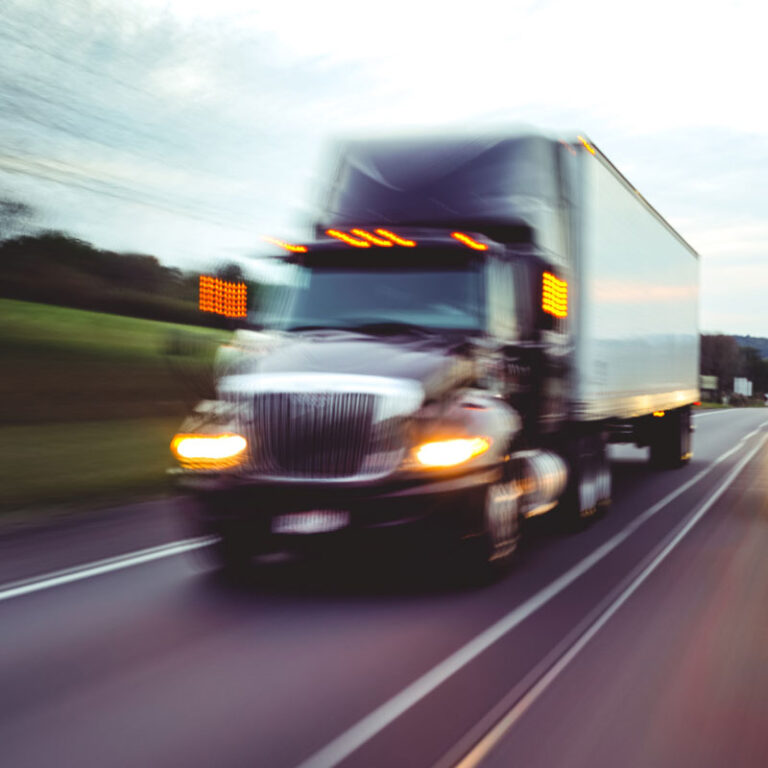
(435, 366)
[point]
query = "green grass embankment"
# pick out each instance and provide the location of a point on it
(61, 364)
(89, 401)
(83, 461)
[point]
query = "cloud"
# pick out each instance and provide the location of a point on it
(743, 243)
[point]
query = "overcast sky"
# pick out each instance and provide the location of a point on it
(190, 128)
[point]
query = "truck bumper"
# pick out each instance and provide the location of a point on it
(446, 507)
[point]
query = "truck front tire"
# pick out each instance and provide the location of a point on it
(488, 555)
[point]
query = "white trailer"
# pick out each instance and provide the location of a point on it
(635, 293)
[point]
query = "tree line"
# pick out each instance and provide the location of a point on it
(722, 356)
(55, 268)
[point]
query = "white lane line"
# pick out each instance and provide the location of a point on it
(492, 738)
(366, 728)
(99, 567)
(714, 411)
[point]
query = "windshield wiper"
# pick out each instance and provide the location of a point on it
(371, 327)
(392, 327)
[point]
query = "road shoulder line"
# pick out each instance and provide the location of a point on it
(483, 747)
(99, 567)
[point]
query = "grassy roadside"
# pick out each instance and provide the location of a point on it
(62, 364)
(89, 402)
(43, 464)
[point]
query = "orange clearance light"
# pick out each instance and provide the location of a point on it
(396, 239)
(587, 145)
(554, 296)
(288, 246)
(658, 414)
(221, 297)
(348, 239)
(372, 238)
(468, 241)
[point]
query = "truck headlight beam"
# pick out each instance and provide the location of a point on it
(208, 450)
(451, 453)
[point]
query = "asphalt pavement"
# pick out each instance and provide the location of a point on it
(642, 641)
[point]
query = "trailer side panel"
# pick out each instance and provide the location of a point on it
(636, 314)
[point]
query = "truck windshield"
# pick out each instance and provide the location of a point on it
(433, 298)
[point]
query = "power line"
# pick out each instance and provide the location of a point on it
(51, 124)
(68, 178)
(72, 62)
(67, 107)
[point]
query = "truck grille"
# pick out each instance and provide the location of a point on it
(323, 435)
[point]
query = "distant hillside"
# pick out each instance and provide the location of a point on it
(758, 342)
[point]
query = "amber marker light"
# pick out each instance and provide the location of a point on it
(554, 295)
(587, 145)
(288, 246)
(222, 297)
(658, 414)
(468, 241)
(451, 453)
(396, 239)
(208, 451)
(348, 239)
(372, 238)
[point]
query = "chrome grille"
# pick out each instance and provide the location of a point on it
(323, 434)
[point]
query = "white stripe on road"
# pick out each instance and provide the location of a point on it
(364, 730)
(714, 411)
(492, 738)
(78, 573)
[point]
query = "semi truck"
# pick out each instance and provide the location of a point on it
(472, 322)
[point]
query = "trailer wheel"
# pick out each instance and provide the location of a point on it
(589, 484)
(670, 440)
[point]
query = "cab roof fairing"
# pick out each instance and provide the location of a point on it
(505, 186)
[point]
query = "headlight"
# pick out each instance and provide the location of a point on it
(208, 451)
(451, 453)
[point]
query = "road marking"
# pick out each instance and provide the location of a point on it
(99, 567)
(492, 738)
(373, 723)
(714, 411)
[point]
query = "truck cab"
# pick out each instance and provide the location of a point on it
(402, 392)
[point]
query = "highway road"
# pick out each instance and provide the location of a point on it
(642, 641)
